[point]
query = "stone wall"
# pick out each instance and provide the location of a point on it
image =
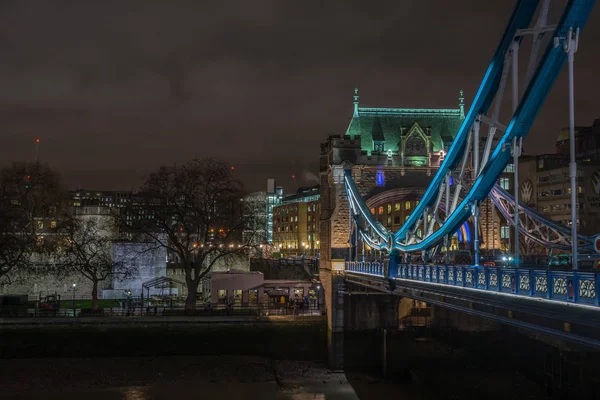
(42, 281)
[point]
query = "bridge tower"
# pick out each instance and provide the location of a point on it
(393, 153)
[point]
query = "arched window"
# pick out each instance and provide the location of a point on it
(380, 209)
(407, 205)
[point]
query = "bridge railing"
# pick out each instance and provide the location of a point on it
(565, 286)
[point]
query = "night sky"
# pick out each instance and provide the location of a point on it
(116, 88)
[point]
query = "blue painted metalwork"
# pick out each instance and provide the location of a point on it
(561, 286)
(575, 15)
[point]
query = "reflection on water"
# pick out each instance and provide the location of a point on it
(135, 393)
(170, 378)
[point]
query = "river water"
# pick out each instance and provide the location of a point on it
(177, 377)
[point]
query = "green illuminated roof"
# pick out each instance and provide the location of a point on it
(388, 124)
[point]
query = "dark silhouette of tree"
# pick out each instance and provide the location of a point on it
(85, 248)
(195, 210)
(31, 197)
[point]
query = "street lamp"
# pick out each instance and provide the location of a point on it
(74, 286)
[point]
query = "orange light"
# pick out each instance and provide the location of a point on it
(37, 140)
(293, 176)
(28, 176)
(232, 168)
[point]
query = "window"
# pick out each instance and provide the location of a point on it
(253, 296)
(389, 221)
(505, 232)
(407, 205)
(389, 207)
(580, 189)
(397, 220)
(541, 163)
(381, 210)
(379, 178)
(237, 297)
(419, 233)
(373, 210)
(40, 224)
(416, 203)
(379, 146)
(222, 296)
(557, 192)
(510, 168)
(397, 207)
(53, 224)
(309, 218)
(505, 183)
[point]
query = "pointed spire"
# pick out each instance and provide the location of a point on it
(355, 103)
(461, 104)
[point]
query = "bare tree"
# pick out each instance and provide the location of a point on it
(85, 249)
(195, 211)
(31, 196)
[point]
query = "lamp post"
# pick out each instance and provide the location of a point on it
(74, 287)
(304, 249)
(317, 249)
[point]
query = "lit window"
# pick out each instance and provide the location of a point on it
(505, 183)
(379, 178)
(505, 232)
(373, 211)
(407, 205)
(579, 189)
(389, 207)
(53, 224)
(510, 168)
(381, 210)
(389, 221)
(397, 207)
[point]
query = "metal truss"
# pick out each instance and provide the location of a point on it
(536, 227)
(475, 161)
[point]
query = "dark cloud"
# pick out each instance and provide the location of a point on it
(121, 86)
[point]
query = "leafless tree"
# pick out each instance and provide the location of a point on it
(85, 248)
(31, 195)
(195, 211)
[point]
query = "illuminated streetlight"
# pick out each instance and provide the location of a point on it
(74, 286)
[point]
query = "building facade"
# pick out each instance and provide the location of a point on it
(296, 224)
(545, 185)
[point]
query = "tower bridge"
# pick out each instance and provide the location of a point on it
(404, 187)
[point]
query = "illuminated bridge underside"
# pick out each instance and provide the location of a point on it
(536, 227)
(561, 304)
(466, 177)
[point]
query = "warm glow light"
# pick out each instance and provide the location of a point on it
(37, 140)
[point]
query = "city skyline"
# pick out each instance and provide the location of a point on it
(259, 86)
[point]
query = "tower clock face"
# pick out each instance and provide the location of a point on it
(415, 146)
